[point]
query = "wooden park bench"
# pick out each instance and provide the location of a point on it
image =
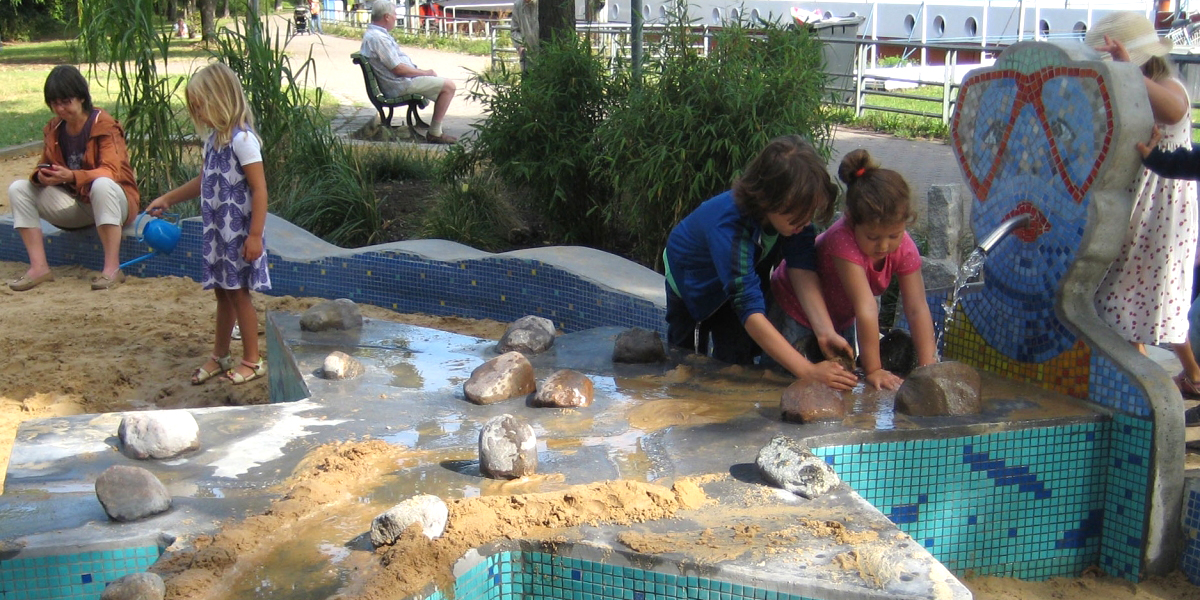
(414, 102)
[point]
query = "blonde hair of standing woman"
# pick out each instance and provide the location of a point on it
(216, 102)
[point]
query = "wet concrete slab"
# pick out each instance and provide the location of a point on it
(688, 417)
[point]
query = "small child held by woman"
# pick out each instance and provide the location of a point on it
(718, 258)
(857, 257)
(233, 203)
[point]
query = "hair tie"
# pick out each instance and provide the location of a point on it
(860, 172)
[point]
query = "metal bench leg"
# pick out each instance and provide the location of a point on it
(413, 115)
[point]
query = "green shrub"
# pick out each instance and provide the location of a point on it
(684, 135)
(472, 212)
(540, 137)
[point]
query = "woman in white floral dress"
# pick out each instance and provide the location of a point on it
(1146, 294)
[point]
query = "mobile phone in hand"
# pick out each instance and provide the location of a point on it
(44, 165)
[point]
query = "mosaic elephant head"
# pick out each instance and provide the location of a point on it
(1047, 131)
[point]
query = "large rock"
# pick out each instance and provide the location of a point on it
(529, 334)
(135, 586)
(427, 511)
(565, 389)
(788, 464)
(131, 493)
(340, 314)
(507, 448)
(639, 345)
(506, 376)
(807, 401)
(158, 434)
(339, 365)
(941, 389)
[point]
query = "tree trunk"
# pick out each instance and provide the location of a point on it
(223, 10)
(208, 20)
(556, 18)
(172, 11)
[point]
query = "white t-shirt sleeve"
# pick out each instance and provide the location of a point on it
(246, 147)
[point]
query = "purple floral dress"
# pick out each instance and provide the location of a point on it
(225, 207)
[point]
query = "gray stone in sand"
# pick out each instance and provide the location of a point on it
(130, 493)
(637, 346)
(427, 511)
(941, 389)
(136, 586)
(529, 334)
(340, 314)
(790, 465)
(339, 365)
(565, 389)
(158, 434)
(506, 376)
(808, 401)
(507, 448)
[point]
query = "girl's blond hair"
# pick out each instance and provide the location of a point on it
(215, 100)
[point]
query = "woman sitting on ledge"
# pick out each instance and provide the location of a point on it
(83, 179)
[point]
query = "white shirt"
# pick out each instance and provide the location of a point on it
(383, 54)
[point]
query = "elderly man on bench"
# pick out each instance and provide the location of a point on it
(398, 75)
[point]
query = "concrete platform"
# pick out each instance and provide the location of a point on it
(650, 423)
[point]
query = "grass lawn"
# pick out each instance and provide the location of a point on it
(24, 67)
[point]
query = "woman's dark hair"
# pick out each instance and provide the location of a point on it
(873, 194)
(66, 82)
(788, 177)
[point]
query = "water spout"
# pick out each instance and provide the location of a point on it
(971, 267)
(1004, 229)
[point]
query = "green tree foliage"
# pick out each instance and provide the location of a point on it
(36, 19)
(540, 136)
(684, 135)
(123, 38)
(615, 164)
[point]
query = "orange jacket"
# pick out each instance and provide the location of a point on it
(106, 156)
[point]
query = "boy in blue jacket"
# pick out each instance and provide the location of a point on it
(718, 258)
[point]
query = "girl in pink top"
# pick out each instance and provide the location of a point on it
(857, 257)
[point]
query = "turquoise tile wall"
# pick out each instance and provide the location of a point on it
(70, 576)
(1127, 473)
(1028, 503)
(514, 575)
(1190, 563)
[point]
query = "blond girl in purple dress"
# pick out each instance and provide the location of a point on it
(233, 194)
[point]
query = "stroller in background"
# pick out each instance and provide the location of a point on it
(300, 17)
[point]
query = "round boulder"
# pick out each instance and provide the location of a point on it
(565, 389)
(507, 448)
(135, 586)
(340, 314)
(130, 493)
(427, 511)
(339, 365)
(158, 434)
(529, 334)
(639, 345)
(506, 376)
(942, 389)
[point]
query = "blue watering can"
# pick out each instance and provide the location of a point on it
(160, 234)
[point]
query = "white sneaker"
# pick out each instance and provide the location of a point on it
(237, 333)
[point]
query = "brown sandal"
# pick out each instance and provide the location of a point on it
(1190, 389)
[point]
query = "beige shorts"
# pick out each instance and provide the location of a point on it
(425, 86)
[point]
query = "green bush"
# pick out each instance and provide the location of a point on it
(685, 134)
(613, 163)
(473, 212)
(540, 137)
